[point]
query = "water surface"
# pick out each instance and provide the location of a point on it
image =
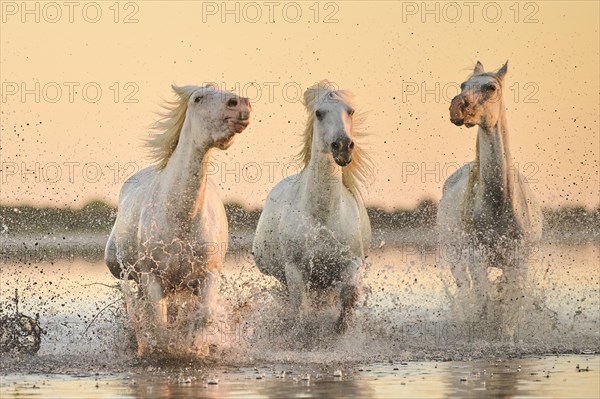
(405, 340)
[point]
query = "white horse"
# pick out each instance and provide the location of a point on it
(487, 211)
(170, 234)
(314, 232)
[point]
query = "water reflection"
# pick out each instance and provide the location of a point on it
(546, 376)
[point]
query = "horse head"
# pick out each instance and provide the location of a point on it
(215, 115)
(331, 113)
(480, 100)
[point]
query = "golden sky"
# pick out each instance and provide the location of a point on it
(80, 87)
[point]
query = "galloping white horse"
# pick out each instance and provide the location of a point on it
(314, 232)
(487, 206)
(170, 234)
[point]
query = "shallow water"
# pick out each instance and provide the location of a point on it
(404, 315)
(539, 377)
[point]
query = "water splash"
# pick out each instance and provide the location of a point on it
(406, 311)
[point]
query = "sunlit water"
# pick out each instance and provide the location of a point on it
(532, 377)
(405, 315)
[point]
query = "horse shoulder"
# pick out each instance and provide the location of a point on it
(266, 247)
(360, 232)
(451, 205)
(215, 211)
(458, 180)
(285, 186)
(365, 228)
(121, 245)
(357, 212)
(137, 182)
(279, 200)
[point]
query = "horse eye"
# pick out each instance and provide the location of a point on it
(350, 112)
(197, 99)
(319, 114)
(489, 88)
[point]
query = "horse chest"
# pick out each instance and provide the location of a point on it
(494, 220)
(177, 250)
(320, 251)
(185, 262)
(322, 258)
(321, 231)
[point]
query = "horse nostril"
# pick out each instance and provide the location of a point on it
(232, 102)
(351, 145)
(335, 146)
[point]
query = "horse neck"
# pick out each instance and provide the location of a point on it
(495, 164)
(323, 185)
(184, 178)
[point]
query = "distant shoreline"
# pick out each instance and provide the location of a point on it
(98, 217)
(31, 235)
(36, 247)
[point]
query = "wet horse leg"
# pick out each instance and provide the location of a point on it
(481, 294)
(513, 294)
(458, 257)
(151, 333)
(198, 313)
(207, 289)
(348, 294)
(296, 288)
(195, 304)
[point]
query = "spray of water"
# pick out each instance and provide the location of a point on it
(408, 310)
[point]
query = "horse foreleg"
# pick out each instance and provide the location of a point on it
(151, 329)
(513, 297)
(458, 258)
(480, 282)
(296, 289)
(461, 276)
(348, 295)
(206, 295)
(195, 314)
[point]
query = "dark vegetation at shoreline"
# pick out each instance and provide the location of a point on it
(98, 217)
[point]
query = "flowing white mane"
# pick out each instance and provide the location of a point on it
(360, 172)
(167, 129)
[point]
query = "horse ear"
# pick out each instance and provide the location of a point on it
(478, 68)
(181, 91)
(502, 71)
(309, 96)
